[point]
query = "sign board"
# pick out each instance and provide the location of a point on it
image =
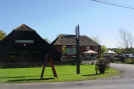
(24, 41)
(77, 32)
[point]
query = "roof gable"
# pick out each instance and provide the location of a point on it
(23, 27)
(24, 32)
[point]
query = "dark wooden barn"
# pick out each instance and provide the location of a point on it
(24, 47)
(3, 54)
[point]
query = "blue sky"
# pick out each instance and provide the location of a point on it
(53, 17)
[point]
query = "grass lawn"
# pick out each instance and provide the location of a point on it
(65, 73)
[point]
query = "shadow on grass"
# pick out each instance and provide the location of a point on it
(90, 75)
(17, 77)
(27, 80)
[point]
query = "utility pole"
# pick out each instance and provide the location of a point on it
(77, 50)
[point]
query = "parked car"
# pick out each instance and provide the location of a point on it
(130, 55)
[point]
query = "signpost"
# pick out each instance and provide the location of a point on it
(77, 50)
(47, 60)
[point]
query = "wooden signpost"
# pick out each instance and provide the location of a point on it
(48, 60)
(77, 50)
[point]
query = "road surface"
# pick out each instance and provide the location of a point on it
(124, 81)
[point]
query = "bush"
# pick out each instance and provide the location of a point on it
(101, 65)
(129, 60)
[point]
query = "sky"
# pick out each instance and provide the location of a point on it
(53, 17)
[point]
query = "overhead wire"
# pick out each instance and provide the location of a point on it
(113, 4)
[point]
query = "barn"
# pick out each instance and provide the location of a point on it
(23, 47)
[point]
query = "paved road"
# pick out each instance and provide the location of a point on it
(124, 81)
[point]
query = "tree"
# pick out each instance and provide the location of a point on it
(103, 49)
(2, 34)
(118, 50)
(127, 39)
(130, 40)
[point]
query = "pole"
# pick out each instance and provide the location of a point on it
(77, 50)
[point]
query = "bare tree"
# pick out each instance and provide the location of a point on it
(127, 39)
(131, 40)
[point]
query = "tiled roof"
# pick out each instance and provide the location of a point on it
(71, 40)
(23, 32)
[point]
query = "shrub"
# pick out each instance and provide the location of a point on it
(101, 65)
(129, 60)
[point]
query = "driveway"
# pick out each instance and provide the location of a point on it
(124, 81)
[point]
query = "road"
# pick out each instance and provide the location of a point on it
(124, 81)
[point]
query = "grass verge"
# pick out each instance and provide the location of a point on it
(65, 73)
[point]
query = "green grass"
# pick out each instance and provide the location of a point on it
(65, 73)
